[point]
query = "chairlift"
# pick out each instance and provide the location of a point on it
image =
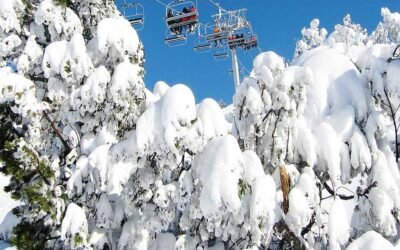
(134, 13)
(175, 39)
(231, 20)
(215, 32)
(250, 42)
(201, 45)
(236, 40)
(181, 18)
(221, 53)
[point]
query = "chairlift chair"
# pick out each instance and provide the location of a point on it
(134, 13)
(210, 32)
(201, 45)
(236, 40)
(174, 39)
(221, 53)
(176, 19)
(250, 42)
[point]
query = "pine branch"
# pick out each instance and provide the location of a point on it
(307, 229)
(341, 196)
(350, 197)
(57, 131)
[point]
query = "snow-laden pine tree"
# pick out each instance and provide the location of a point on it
(326, 123)
(77, 88)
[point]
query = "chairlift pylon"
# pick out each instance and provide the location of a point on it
(134, 13)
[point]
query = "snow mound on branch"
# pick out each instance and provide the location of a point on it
(160, 88)
(18, 89)
(7, 219)
(170, 123)
(370, 240)
(339, 84)
(165, 241)
(116, 43)
(93, 93)
(9, 15)
(338, 229)
(61, 21)
(212, 119)
(219, 169)
(74, 225)
(270, 60)
(334, 103)
(9, 44)
(68, 59)
(299, 213)
(31, 56)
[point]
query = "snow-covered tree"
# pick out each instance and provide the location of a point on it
(308, 159)
(349, 33)
(387, 31)
(312, 37)
(78, 86)
(325, 126)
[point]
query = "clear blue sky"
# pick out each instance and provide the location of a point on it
(278, 24)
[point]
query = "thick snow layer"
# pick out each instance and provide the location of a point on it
(262, 204)
(7, 219)
(134, 236)
(116, 43)
(299, 213)
(338, 228)
(10, 12)
(92, 93)
(219, 168)
(370, 240)
(74, 225)
(165, 241)
(104, 212)
(6, 246)
(169, 124)
(270, 60)
(333, 105)
(18, 89)
(212, 119)
(31, 56)
(9, 44)
(68, 59)
(62, 22)
(160, 88)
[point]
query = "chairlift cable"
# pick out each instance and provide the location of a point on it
(243, 67)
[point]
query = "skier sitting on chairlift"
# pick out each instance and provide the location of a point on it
(171, 22)
(185, 19)
(230, 39)
(253, 40)
(192, 9)
(218, 40)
